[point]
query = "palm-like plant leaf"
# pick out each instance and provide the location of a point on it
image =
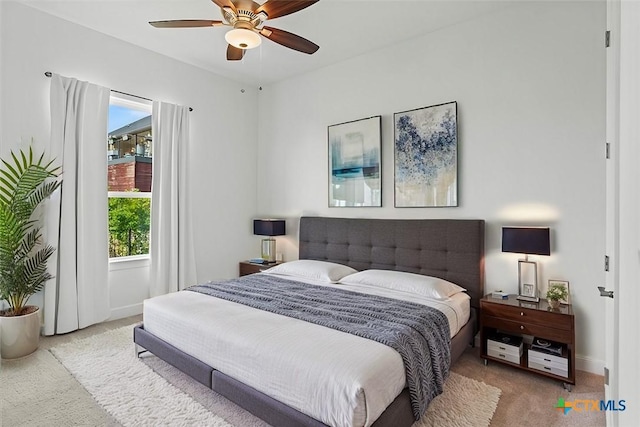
(35, 269)
(39, 194)
(28, 243)
(24, 184)
(10, 232)
(12, 173)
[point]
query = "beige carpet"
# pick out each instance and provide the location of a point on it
(35, 388)
(528, 399)
(105, 364)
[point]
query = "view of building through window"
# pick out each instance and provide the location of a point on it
(129, 155)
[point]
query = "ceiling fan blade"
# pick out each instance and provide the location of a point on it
(289, 40)
(225, 3)
(234, 53)
(277, 8)
(186, 23)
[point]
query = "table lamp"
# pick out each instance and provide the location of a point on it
(527, 241)
(269, 227)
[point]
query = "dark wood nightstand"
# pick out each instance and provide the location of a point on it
(246, 267)
(514, 317)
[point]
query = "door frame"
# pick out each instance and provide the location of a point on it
(623, 210)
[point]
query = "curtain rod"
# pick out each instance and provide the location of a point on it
(48, 74)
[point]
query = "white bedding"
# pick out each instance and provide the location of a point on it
(332, 376)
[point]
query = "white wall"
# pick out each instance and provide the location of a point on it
(223, 154)
(530, 87)
(529, 82)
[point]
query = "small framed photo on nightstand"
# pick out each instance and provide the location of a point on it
(528, 290)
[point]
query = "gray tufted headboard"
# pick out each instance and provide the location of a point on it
(452, 249)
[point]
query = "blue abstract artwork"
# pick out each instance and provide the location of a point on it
(426, 157)
(354, 164)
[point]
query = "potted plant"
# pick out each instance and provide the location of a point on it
(555, 293)
(25, 182)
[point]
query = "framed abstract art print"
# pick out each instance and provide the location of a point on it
(426, 156)
(354, 164)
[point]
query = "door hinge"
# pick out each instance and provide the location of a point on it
(606, 263)
(608, 150)
(607, 38)
(606, 376)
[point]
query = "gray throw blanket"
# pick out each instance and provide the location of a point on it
(419, 333)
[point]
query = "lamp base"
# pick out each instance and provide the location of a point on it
(526, 298)
(528, 281)
(269, 250)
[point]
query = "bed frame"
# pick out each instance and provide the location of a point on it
(450, 249)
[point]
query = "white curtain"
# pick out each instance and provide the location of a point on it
(76, 226)
(171, 248)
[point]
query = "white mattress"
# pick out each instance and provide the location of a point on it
(332, 376)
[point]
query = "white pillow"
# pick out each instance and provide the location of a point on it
(311, 269)
(431, 287)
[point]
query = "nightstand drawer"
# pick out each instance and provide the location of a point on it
(545, 359)
(518, 314)
(498, 347)
(554, 334)
(551, 369)
(499, 354)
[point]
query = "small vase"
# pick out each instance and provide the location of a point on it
(554, 303)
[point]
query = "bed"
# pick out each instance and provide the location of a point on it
(449, 249)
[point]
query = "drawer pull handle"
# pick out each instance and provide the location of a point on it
(521, 327)
(501, 355)
(521, 313)
(547, 368)
(502, 348)
(547, 360)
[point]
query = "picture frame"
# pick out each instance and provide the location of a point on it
(355, 161)
(426, 156)
(553, 282)
(528, 290)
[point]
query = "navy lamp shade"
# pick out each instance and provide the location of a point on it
(527, 241)
(269, 227)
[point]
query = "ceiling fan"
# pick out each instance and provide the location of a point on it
(247, 19)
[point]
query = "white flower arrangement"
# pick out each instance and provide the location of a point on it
(557, 292)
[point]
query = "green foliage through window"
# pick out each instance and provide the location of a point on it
(129, 225)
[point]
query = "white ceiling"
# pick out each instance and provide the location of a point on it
(342, 28)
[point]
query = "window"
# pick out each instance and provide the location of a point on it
(129, 223)
(129, 159)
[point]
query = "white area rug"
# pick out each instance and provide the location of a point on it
(464, 403)
(135, 395)
(106, 365)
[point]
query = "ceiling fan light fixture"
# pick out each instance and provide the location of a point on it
(242, 38)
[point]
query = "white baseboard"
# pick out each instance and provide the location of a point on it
(587, 364)
(126, 311)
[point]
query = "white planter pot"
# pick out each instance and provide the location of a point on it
(19, 335)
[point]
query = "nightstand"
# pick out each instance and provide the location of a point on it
(246, 267)
(521, 319)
